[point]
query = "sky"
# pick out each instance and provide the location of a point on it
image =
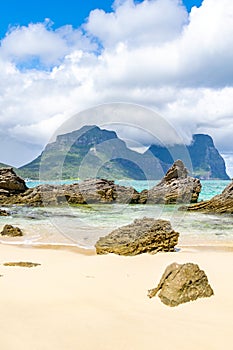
(58, 58)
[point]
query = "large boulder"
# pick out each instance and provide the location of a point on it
(222, 203)
(182, 283)
(106, 191)
(10, 183)
(97, 190)
(145, 235)
(11, 231)
(175, 187)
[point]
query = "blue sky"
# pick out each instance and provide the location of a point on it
(22, 12)
(154, 53)
(74, 12)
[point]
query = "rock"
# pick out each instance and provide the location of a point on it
(177, 171)
(221, 204)
(105, 191)
(10, 183)
(11, 231)
(4, 192)
(22, 264)
(4, 213)
(87, 192)
(97, 191)
(47, 195)
(126, 195)
(175, 187)
(182, 283)
(145, 235)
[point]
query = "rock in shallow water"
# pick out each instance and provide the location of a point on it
(10, 183)
(175, 187)
(87, 192)
(145, 235)
(222, 203)
(182, 283)
(4, 213)
(11, 231)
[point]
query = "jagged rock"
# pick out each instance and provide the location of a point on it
(87, 192)
(182, 283)
(9, 230)
(4, 213)
(175, 187)
(47, 195)
(97, 190)
(22, 264)
(10, 183)
(124, 194)
(177, 171)
(105, 191)
(145, 235)
(4, 192)
(222, 203)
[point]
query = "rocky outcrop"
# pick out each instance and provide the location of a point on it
(10, 183)
(145, 235)
(87, 192)
(182, 283)
(222, 203)
(11, 231)
(175, 187)
(105, 191)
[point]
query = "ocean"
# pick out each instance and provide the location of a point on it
(82, 225)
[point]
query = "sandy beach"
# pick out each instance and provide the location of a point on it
(78, 301)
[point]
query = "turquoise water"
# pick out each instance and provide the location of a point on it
(209, 187)
(83, 225)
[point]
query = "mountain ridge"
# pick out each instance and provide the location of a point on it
(94, 152)
(206, 161)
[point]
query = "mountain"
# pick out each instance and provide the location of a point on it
(206, 162)
(2, 165)
(91, 152)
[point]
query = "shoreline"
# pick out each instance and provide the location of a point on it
(90, 251)
(48, 246)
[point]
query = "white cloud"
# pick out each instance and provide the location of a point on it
(39, 42)
(229, 163)
(153, 54)
(206, 45)
(146, 23)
